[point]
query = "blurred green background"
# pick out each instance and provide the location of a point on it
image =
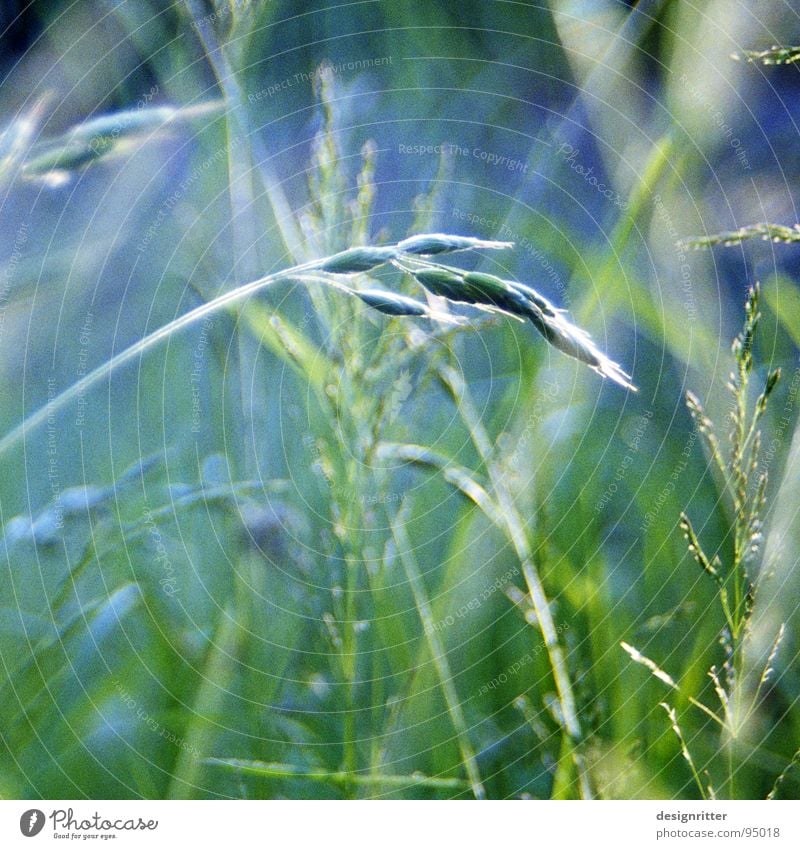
(213, 582)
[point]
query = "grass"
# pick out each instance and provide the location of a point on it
(313, 487)
(743, 487)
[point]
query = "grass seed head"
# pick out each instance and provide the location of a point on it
(494, 291)
(122, 123)
(575, 342)
(355, 260)
(537, 299)
(775, 55)
(445, 283)
(391, 303)
(520, 300)
(429, 244)
(768, 232)
(494, 294)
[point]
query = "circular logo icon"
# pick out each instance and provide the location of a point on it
(31, 822)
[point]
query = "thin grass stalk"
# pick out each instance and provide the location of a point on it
(439, 657)
(287, 770)
(793, 763)
(355, 411)
(687, 755)
(106, 369)
(246, 259)
(281, 208)
(745, 488)
(367, 413)
(350, 648)
(657, 672)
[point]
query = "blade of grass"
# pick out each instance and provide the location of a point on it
(784, 300)
(216, 677)
(512, 524)
(465, 482)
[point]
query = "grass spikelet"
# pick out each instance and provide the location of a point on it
(775, 55)
(637, 657)
(66, 158)
(769, 665)
(449, 283)
(772, 381)
(687, 755)
(146, 119)
(537, 299)
(696, 550)
(391, 303)
(773, 653)
(493, 294)
(98, 137)
(356, 260)
(722, 695)
(705, 427)
(122, 123)
(575, 342)
(494, 291)
(444, 283)
(550, 322)
(430, 244)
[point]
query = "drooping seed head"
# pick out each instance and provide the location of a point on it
(354, 260)
(123, 123)
(494, 291)
(430, 244)
(577, 343)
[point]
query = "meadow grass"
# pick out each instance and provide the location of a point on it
(368, 514)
